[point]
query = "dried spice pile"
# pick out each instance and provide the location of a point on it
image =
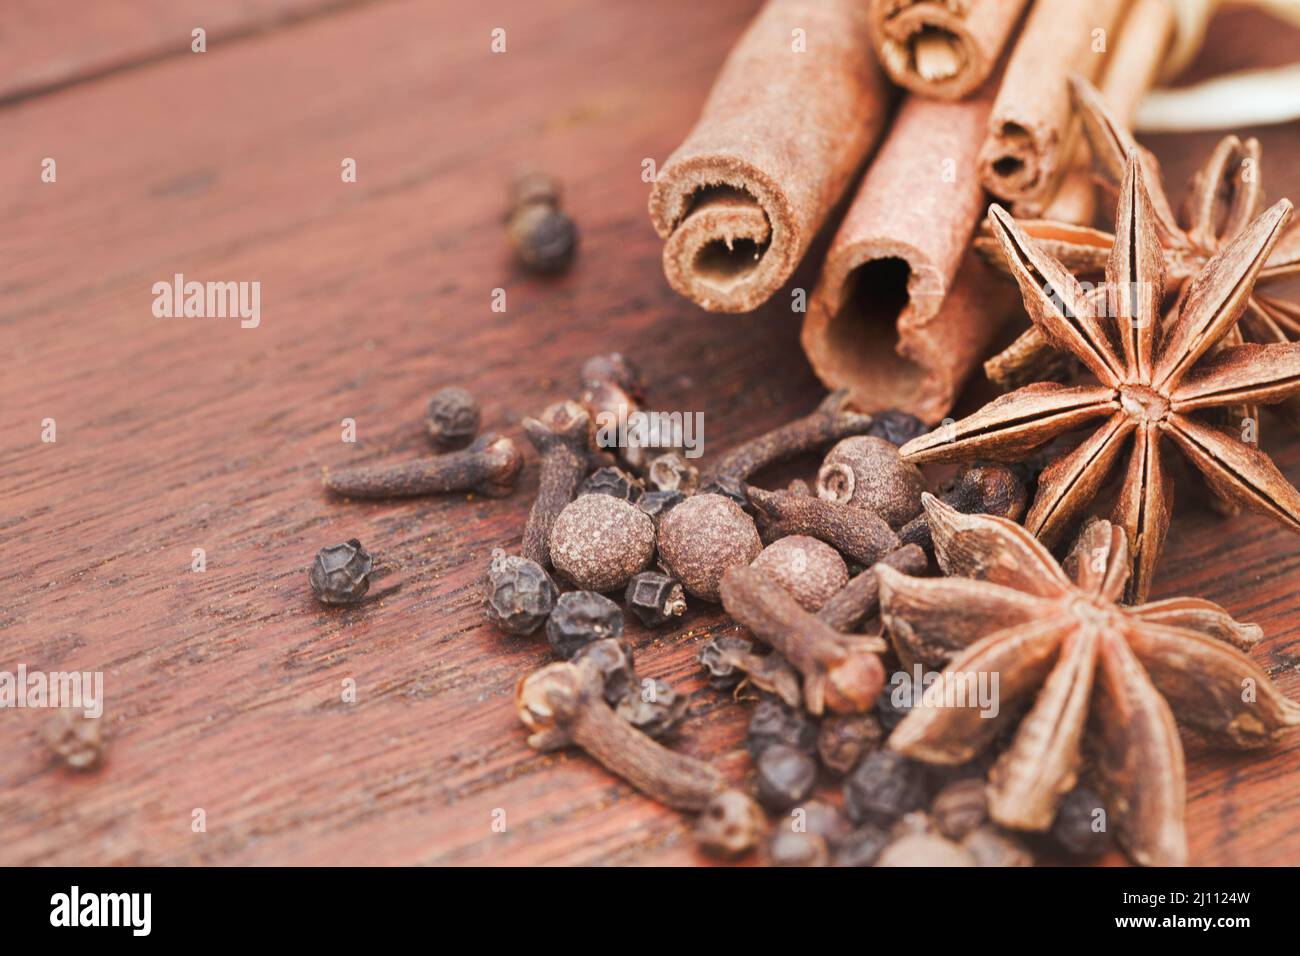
(852, 658)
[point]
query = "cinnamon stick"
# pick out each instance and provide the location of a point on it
(941, 48)
(901, 314)
(1132, 64)
(1135, 60)
(1031, 129)
(797, 106)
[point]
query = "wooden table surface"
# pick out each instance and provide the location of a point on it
(224, 687)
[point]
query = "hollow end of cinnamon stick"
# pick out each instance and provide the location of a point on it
(727, 230)
(940, 50)
(884, 329)
(793, 113)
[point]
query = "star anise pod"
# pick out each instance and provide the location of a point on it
(1225, 195)
(1144, 392)
(1062, 648)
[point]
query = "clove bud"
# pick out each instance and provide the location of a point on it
(563, 704)
(841, 672)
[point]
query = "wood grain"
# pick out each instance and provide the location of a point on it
(223, 687)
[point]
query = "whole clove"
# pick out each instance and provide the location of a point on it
(452, 418)
(731, 824)
(860, 598)
(489, 467)
(829, 422)
(988, 488)
(74, 738)
(841, 672)
(563, 704)
(858, 534)
(672, 472)
(561, 436)
(613, 368)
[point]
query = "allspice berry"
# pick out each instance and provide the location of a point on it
(702, 538)
(809, 569)
(868, 473)
(598, 542)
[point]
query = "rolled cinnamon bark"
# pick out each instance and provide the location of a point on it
(792, 115)
(941, 48)
(901, 313)
(1135, 61)
(1031, 129)
(1132, 64)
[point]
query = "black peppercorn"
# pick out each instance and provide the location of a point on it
(75, 739)
(774, 723)
(716, 658)
(543, 236)
(1080, 827)
(655, 598)
(823, 819)
(894, 702)
(579, 618)
(656, 503)
(729, 487)
(785, 776)
(452, 417)
(895, 427)
(844, 739)
(341, 573)
(612, 659)
(862, 847)
(654, 708)
(884, 786)
(518, 594)
(612, 481)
